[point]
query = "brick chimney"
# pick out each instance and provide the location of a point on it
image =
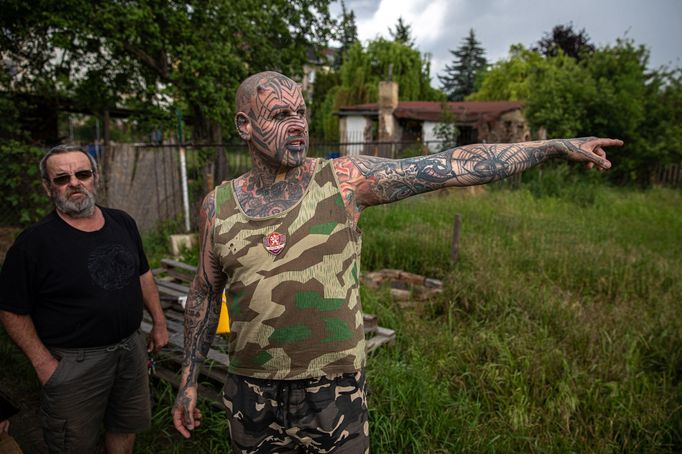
(388, 102)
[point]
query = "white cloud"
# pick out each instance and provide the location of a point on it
(440, 25)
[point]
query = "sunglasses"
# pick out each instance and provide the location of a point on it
(82, 175)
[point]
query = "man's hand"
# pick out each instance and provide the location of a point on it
(589, 150)
(45, 370)
(158, 338)
(186, 415)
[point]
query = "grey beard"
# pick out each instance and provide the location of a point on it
(76, 209)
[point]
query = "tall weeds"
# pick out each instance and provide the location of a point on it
(560, 328)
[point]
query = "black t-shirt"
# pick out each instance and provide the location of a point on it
(81, 289)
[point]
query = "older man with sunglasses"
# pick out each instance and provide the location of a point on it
(72, 291)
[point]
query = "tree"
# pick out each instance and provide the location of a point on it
(157, 56)
(347, 34)
(564, 39)
(641, 105)
(325, 81)
(508, 79)
(609, 93)
(402, 33)
(364, 68)
(460, 77)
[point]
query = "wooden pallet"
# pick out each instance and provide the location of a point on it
(173, 280)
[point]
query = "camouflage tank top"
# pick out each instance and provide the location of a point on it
(293, 295)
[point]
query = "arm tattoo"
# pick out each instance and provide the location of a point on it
(203, 301)
(348, 175)
(388, 180)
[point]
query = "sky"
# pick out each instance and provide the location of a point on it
(440, 25)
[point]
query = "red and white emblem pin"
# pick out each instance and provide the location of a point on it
(274, 243)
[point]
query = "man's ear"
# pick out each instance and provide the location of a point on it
(243, 124)
(46, 186)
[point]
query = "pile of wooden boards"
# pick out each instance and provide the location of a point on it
(407, 289)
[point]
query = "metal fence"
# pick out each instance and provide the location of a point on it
(667, 175)
(147, 180)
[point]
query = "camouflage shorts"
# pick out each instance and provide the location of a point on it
(319, 415)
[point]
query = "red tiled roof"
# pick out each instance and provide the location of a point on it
(464, 111)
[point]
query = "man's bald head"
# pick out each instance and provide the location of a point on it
(261, 82)
(271, 119)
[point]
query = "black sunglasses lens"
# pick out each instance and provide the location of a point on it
(83, 175)
(61, 180)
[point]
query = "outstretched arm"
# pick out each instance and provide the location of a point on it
(369, 180)
(201, 320)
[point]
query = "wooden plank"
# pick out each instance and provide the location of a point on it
(182, 289)
(169, 292)
(433, 283)
(169, 263)
(180, 276)
(370, 320)
(384, 336)
(386, 332)
(175, 350)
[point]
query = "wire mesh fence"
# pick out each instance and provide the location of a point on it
(146, 180)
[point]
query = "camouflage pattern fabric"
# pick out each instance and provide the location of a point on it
(295, 314)
(319, 415)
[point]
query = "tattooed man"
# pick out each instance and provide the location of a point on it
(283, 238)
(72, 289)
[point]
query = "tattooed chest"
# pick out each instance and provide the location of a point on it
(271, 200)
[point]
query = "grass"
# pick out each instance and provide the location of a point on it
(210, 437)
(559, 329)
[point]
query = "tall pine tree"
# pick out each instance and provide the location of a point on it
(402, 33)
(346, 33)
(460, 77)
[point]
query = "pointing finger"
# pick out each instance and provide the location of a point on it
(609, 143)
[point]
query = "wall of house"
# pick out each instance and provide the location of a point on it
(511, 127)
(352, 129)
(429, 136)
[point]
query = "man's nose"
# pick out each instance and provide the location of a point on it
(74, 181)
(298, 126)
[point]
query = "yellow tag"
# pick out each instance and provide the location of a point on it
(224, 320)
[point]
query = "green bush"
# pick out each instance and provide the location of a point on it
(23, 197)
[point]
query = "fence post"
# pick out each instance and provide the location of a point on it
(455, 238)
(183, 172)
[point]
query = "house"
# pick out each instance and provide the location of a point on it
(364, 128)
(315, 63)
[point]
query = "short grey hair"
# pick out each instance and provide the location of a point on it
(59, 149)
